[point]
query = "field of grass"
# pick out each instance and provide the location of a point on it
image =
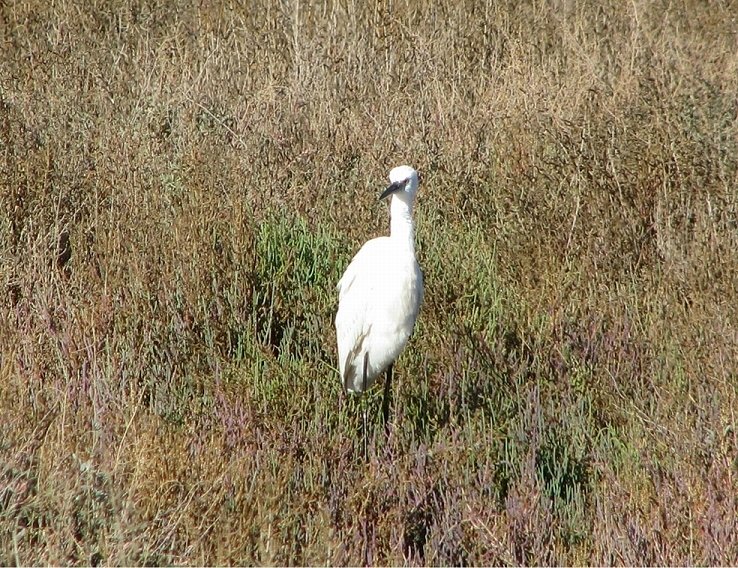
(183, 183)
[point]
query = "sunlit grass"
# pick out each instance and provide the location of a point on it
(169, 391)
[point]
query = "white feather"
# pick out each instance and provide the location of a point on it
(380, 294)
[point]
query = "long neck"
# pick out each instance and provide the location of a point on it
(401, 221)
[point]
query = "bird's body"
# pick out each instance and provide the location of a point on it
(380, 293)
(376, 313)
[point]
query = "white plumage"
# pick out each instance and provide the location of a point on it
(380, 293)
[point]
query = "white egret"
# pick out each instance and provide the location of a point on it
(380, 295)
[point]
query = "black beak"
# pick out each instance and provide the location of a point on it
(397, 186)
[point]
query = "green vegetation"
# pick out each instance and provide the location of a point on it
(181, 186)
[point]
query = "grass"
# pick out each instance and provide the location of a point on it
(182, 186)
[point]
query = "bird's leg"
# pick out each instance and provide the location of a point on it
(363, 403)
(386, 397)
(366, 371)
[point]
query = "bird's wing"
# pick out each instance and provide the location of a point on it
(363, 271)
(356, 290)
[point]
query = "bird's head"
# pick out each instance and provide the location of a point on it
(403, 183)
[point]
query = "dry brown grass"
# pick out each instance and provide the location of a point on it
(182, 184)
